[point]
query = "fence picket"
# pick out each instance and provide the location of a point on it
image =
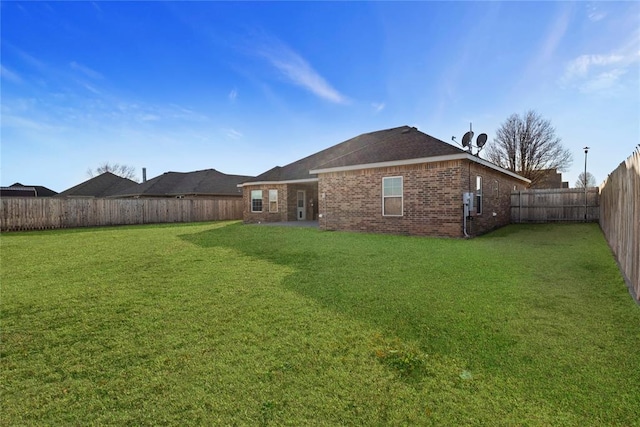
(555, 205)
(25, 213)
(620, 218)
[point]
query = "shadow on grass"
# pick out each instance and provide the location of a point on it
(511, 304)
(106, 228)
(409, 287)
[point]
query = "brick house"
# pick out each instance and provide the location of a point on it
(202, 184)
(399, 181)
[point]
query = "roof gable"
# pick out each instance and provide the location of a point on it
(37, 190)
(170, 184)
(401, 143)
(396, 144)
(103, 185)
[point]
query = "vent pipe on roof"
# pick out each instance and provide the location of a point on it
(144, 174)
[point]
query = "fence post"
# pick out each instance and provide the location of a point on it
(520, 207)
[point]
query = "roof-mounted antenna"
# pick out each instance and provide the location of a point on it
(481, 140)
(467, 139)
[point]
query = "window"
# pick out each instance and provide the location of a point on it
(478, 194)
(273, 200)
(392, 196)
(256, 200)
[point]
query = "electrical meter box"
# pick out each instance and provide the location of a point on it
(467, 201)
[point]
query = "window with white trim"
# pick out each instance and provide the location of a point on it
(256, 200)
(392, 196)
(273, 200)
(478, 194)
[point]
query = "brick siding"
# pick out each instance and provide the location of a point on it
(432, 199)
(496, 195)
(287, 202)
(265, 215)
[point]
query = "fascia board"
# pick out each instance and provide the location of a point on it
(498, 168)
(448, 157)
(292, 181)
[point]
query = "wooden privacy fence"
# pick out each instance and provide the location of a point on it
(555, 205)
(620, 218)
(50, 212)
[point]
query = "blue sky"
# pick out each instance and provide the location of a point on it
(242, 87)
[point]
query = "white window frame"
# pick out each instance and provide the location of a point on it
(478, 195)
(401, 195)
(273, 198)
(256, 198)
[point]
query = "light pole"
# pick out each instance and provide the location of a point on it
(586, 150)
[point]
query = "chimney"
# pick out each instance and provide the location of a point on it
(144, 174)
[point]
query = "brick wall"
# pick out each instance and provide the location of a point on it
(311, 195)
(432, 199)
(496, 195)
(265, 215)
(287, 202)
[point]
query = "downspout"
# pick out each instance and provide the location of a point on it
(465, 208)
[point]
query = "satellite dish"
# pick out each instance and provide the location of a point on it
(466, 139)
(482, 139)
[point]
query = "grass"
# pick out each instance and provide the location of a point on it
(227, 324)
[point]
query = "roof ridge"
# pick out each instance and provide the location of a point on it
(336, 145)
(369, 145)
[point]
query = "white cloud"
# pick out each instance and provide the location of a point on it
(85, 70)
(581, 65)
(297, 70)
(378, 106)
(233, 95)
(594, 13)
(91, 89)
(148, 117)
(233, 134)
(555, 35)
(601, 72)
(9, 75)
(603, 81)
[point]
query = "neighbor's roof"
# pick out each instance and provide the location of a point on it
(103, 185)
(208, 182)
(21, 190)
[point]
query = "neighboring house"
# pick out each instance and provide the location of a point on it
(399, 181)
(208, 183)
(547, 179)
(104, 185)
(20, 190)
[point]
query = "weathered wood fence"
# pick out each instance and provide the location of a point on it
(50, 212)
(620, 218)
(555, 205)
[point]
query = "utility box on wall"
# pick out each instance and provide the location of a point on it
(467, 201)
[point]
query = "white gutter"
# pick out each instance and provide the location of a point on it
(463, 156)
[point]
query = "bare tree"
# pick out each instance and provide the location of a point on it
(590, 180)
(528, 145)
(124, 171)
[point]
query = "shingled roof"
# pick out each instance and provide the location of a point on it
(21, 190)
(104, 185)
(208, 182)
(401, 143)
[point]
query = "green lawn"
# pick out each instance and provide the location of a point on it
(229, 324)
